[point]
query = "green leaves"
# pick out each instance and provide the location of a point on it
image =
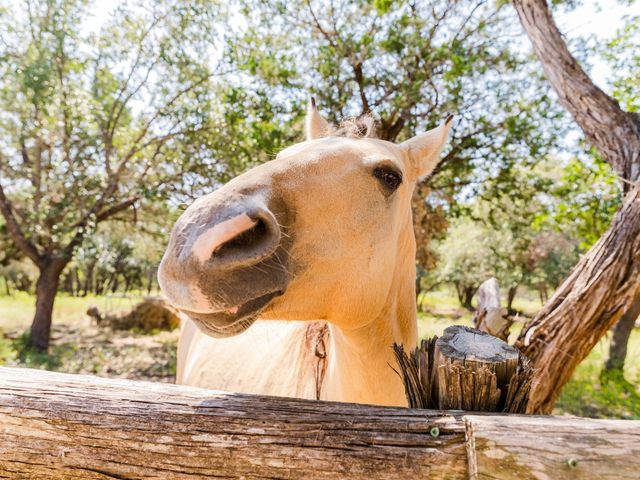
(585, 199)
(623, 55)
(93, 124)
(383, 6)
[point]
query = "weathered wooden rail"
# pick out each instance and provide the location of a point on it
(69, 426)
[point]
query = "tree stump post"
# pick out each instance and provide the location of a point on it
(473, 369)
(465, 369)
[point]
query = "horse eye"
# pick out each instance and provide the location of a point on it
(390, 179)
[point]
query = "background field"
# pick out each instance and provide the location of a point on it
(79, 346)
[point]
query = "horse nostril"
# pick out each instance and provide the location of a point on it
(239, 240)
(246, 240)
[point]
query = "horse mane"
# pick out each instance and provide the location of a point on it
(363, 126)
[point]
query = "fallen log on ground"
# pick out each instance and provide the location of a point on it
(69, 426)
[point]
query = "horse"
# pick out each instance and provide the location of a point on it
(297, 277)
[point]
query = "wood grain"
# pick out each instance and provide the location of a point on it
(473, 369)
(66, 426)
(534, 447)
(60, 426)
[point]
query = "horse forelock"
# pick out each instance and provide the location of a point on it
(356, 127)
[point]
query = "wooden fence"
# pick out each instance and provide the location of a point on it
(62, 426)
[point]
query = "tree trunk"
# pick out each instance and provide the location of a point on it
(614, 132)
(620, 338)
(605, 282)
(46, 289)
(511, 296)
(88, 281)
(150, 277)
(469, 292)
(67, 283)
(459, 293)
(590, 301)
(98, 287)
(465, 295)
(76, 282)
(542, 291)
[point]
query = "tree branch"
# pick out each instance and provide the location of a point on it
(99, 217)
(359, 77)
(117, 208)
(17, 235)
(614, 132)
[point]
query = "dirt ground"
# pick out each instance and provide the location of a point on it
(85, 348)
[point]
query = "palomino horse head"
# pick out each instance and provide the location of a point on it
(314, 234)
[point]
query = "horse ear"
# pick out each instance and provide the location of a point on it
(315, 125)
(424, 149)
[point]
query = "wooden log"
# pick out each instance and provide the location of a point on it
(534, 447)
(69, 426)
(59, 426)
(490, 317)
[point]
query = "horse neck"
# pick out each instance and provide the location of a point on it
(360, 360)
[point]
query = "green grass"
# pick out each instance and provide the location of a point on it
(79, 346)
(589, 394)
(16, 311)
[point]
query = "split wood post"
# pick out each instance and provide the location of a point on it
(473, 370)
(490, 317)
(465, 369)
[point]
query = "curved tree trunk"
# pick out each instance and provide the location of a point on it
(596, 294)
(605, 282)
(46, 289)
(620, 339)
(465, 295)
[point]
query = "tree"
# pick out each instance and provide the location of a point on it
(605, 282)
(466, 268)
(550, 257)
(622, 53)
(94, 125)
(584, 199)
(578, 208)
(515, 235)
(408, 63)
(121, 256)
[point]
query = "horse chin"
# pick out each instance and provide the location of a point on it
(227, 323)
(224, 332)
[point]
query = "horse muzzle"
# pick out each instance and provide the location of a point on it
(227, 259)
